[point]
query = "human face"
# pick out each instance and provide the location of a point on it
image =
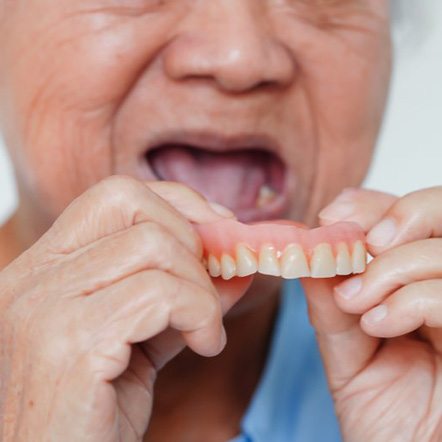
(269, 107)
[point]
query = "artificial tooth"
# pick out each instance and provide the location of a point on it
(214, 266)
(228, 267)
(205, 263)
(268, 261)
(359, 257)
(323, 264)
(343, 260)
(266, 195)
(246, 262)
(294, 263)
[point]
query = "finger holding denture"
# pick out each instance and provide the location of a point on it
(282, 249)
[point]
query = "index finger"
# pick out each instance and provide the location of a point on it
(416, 216)
(362, 206)
(118, 203)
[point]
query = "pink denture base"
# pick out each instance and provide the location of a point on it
(223, 236)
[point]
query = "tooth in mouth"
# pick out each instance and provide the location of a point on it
(266, 196)
(283, 250)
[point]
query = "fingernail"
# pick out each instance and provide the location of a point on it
(336, 211)
(382, 234)
(376, 315)
(350, 288)
(221, 210)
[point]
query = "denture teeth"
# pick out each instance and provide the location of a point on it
(246, 262)
(228, 267)
(359, 257)
(214, 266)
(290, 264)
(294, 263)
(323, 264)
(205, 263)
(268, 261)
(343, 260)
(266, 195)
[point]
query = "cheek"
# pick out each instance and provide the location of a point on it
(60, 99)
(346, 77)
(57, 153)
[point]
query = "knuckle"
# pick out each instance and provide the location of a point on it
(106, 360)
(424, 198)
(174, 293)
(118, 187)
(177, 187)
(196, 241)
(152, 233)
(155, 240)
(118, 181)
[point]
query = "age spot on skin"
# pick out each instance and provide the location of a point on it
(283, 249)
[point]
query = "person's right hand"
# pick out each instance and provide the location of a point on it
(105, 298)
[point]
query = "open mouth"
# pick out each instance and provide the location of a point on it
(251, 181)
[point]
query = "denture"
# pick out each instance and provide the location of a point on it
(283, 249)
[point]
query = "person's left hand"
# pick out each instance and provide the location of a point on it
(380, 333)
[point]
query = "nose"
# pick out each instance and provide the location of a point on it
(229, 42)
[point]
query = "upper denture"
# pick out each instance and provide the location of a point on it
(282, 248)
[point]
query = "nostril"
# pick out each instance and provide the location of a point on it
(237, 62)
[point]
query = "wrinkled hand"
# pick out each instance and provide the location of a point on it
(88, 315)
(380, 333)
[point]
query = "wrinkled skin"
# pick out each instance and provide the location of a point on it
(86, 381)
(86, 84)
(83, 84)
(385, 370)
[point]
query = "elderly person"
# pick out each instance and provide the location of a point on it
(112, 112)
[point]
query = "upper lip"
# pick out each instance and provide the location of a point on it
(215, 141)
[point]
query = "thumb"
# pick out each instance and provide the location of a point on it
(344, 347)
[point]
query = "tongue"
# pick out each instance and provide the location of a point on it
(233, 179)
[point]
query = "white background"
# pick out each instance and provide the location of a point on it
(409, 154)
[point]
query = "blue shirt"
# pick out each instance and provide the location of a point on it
(292, 402)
